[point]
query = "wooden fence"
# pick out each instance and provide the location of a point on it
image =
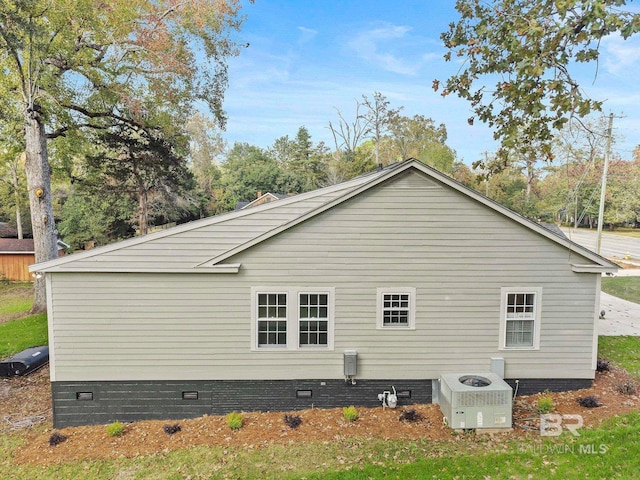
(15, 266)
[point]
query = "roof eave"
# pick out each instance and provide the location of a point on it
(593, 268)
(224, 268)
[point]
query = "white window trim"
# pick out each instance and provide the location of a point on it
(504, 292)
(381, 291)
(286, 319)
(293, 322)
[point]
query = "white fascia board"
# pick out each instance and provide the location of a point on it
(220, 268)
(592, 269)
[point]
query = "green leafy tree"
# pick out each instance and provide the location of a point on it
(14, 202)
(529, 49)
(147, 164)
(419, 137)
(206, 151)
(83, 63)
(247, 171)
(96, 216)
(622, 202)
(580, 150)
(303, 162)
(305, 167)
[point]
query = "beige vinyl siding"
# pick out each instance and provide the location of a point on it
(409, 232)
(189, 247)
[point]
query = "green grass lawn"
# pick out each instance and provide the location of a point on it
(627, 288)
(622, 351)
(16, 335)
(626, 232)
(15, 298)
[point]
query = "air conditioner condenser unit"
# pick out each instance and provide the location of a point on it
(476, 400)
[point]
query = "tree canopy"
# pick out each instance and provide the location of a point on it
(94, 63)
(528, 51)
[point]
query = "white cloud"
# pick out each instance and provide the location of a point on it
(380, 47)
(307, 34)
(620, 55)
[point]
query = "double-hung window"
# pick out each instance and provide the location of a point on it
(292, 318)
(272, 319)
(520, 323)
(396, 308)
(313, 319)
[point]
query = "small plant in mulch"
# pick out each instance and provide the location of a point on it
(603, 365)
(234, 420)
(350, 413)
(546, 404)
(115, 429)
(56, 439)
(171, 429)
(293, 421)
(411, 416)
(627, 388)
(589, 401)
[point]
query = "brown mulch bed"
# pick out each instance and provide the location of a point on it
(28, 399)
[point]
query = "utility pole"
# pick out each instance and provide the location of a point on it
(603, 188)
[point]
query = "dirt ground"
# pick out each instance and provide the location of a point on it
(25, 405)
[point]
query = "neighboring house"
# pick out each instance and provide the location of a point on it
(260, 200)
(15, 257)
(404, 270)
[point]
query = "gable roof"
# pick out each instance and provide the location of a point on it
(14, 245)
(264, 198)
(22, 246)
(264, 221)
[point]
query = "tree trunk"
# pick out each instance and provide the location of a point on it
(16, 195)
(143, 213)
(531, 175)
(19, 222)
(39, 184)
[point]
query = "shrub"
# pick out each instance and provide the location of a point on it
(116, 429)
(56, 439)
(234, 420)
(603, 365)
(410, 416)
(545, 404)
(171, 429)
(350, 413)
(627, 388)
(293, 421)
(589, 401)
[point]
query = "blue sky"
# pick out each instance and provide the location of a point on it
(308, 58)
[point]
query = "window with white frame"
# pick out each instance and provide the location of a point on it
(396, 308)
(314, 319)
(292, 318)
(520, 325)
(272, 319)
